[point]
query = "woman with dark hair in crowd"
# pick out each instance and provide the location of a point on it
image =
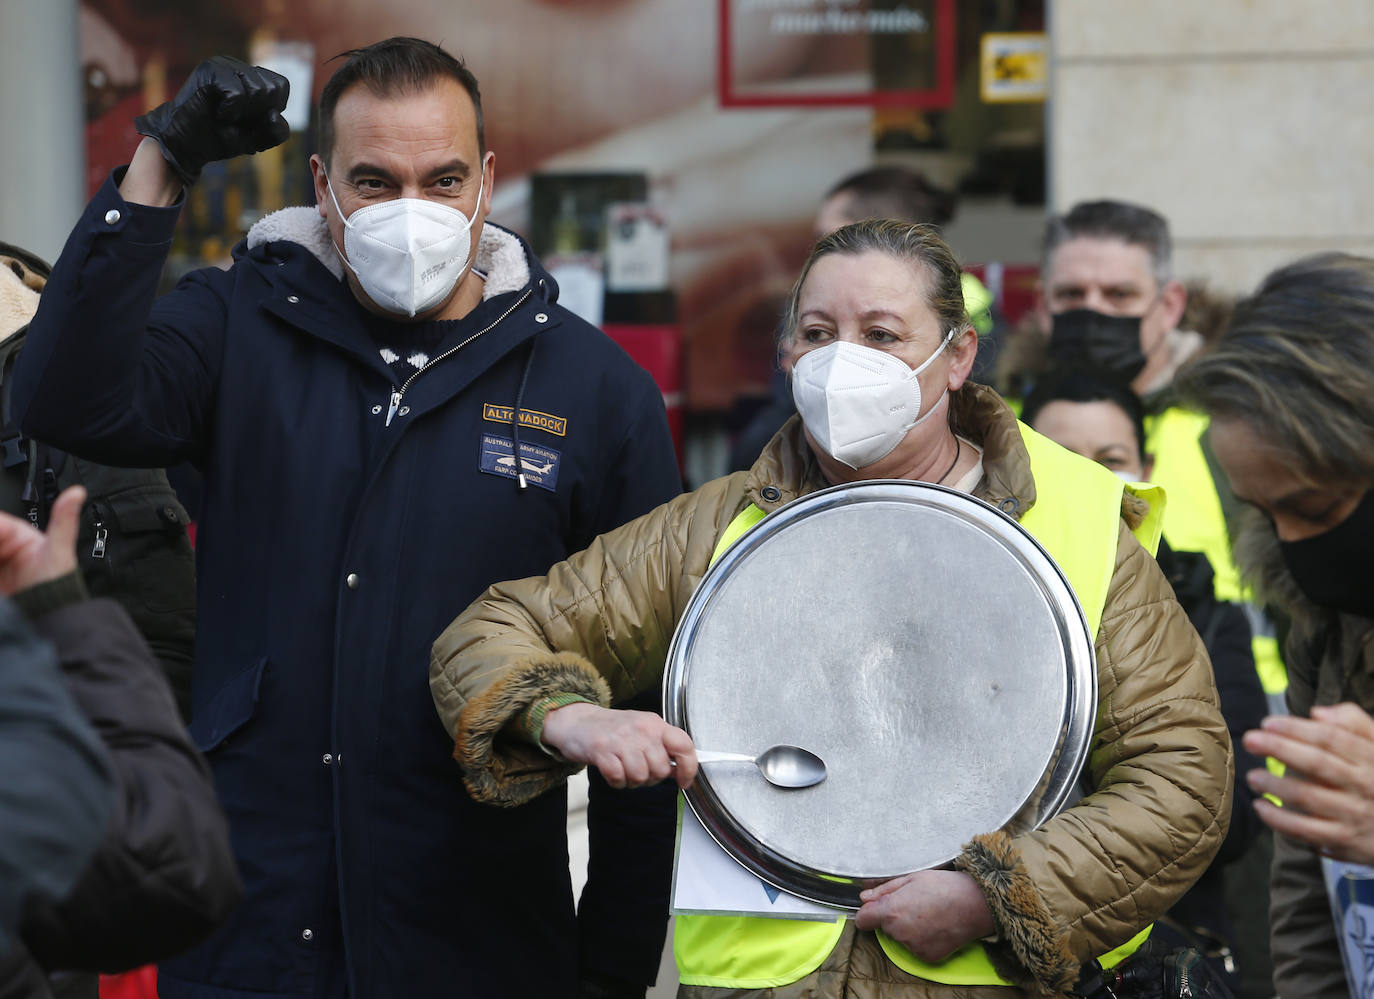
(1290, 389)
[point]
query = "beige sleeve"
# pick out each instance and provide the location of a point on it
(597, 626)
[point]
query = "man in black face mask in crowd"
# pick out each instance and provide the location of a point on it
(1109, 302)
(1109, 299)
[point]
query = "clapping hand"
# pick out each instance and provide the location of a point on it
(28, 556)
(1328, 788)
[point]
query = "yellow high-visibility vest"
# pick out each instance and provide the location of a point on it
(1197, 522)
(1076, 517)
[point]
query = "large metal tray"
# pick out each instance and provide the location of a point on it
(919, 641)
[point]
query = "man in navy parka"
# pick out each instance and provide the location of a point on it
(390, 415)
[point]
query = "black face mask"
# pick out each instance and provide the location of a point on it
(1333, 568)
(1083, 338)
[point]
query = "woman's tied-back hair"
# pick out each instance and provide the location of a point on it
(1297, 366)
(932, 262)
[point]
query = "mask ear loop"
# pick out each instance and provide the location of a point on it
(329, 183)
(949, 338)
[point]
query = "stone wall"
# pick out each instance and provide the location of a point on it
(1248, 123)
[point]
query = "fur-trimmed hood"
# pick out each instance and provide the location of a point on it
(22, 277)
(1257, 555)
(501, 255)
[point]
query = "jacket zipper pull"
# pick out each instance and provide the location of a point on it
(395, 404)
(98, 551)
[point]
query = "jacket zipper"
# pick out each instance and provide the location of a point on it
(396, 393)
(101, 534)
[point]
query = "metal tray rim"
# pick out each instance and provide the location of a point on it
(827, 887)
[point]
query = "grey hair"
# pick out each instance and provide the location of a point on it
(1135, 225)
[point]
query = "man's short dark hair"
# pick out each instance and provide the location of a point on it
(394, 66)
(1135, 225)
(894, 192)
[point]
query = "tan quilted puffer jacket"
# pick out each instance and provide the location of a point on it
(600, 623)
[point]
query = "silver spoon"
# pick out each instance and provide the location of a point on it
(785, 766)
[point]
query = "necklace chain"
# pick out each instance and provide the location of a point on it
(958, 449)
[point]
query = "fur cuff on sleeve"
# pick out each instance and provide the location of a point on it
(1032, 950)
(505, 771)
(1133, 509)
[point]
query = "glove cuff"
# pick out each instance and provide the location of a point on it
(145, 124)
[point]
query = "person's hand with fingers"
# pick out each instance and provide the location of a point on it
(630, 748)
(227, 108)
(28, 556)
(1327, 789)
(930, 913)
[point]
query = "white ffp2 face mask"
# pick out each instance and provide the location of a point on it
(407, 253)
(859, 402)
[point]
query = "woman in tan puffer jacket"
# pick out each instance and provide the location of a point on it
(509, 676)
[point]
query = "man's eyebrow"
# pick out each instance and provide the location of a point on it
(458, 167)
(358, 170)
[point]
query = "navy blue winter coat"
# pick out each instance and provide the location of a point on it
(333, 548)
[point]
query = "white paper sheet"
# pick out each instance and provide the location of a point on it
(708, 881)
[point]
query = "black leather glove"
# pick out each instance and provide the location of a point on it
(227, 108)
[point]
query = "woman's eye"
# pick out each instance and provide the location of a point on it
(815, 335)
(881, 336)
(1321, 516)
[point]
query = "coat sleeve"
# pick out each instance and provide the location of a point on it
(642, 472)
(1302, 940)
(1303, 946)
(607, 612)
(1160, 762)
(105, 372)
(164, 876)
(55, 789)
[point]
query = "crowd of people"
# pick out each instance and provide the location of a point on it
(442, 548)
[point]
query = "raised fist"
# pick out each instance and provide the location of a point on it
(226, 108)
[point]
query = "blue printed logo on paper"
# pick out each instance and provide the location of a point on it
(540, 464)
